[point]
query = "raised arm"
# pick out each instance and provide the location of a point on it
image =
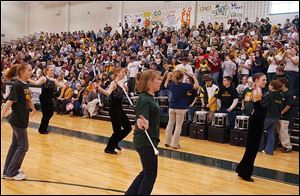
(167, 80)
(110, 89)
(196, 83)
(38, 82)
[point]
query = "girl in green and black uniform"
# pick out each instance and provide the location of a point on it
(148, 117)
(273, 101)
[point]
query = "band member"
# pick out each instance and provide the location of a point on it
(227, 99)
(207, 95)
(148, 118)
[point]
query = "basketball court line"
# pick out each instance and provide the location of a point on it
(72, 184)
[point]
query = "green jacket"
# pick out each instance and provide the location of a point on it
(149, 108)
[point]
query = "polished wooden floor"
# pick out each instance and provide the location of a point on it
(80, 167)
(279, 161)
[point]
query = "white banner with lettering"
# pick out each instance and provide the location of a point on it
(35, 91)
(220, 12)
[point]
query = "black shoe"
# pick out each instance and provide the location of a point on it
(247, 179)
(118, 147)
(43, 132)
(167, 145)
(287, 150)
(110, 151)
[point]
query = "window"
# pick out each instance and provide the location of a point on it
(283, 7)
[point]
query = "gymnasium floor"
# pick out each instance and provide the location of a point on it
(70, 160)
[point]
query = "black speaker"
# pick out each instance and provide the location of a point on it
(185, 130)
(238, 137)
(218, 134)
(193, 130)
(202, 133)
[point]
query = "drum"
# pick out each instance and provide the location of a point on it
(134, 100)
(163, 101)
(241, 122)
(200, 117)
(220, 120)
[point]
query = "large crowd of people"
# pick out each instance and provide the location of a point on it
(217, 63)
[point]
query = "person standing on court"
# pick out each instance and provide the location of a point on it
(148, 118)
(256, 126)
(19, 100)
(178, 105)
(273, 100)
(120, 122)
(49, 85)
(286, 114)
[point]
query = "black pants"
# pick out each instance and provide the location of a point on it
(144, 182)
(246, 166)
(17, 151)
(131, 85)
(47, 111)
(119, 120)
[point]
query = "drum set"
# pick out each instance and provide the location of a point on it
(220, 120)
(161, 100)
(200, 117)
(242, 122)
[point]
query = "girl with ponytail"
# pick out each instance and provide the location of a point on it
(256, 128)
(19, 100)
(49, 85)
(120, 122)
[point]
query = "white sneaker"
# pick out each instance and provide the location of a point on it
(20, 171)
(19, 176)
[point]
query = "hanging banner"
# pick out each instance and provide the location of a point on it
(169, 18)
(186, 16)
(138, 20)
(134, 19)
(128, 19)
(236, 10)
(147, 19)
(156, 18)
(204, 14)
(220, 12)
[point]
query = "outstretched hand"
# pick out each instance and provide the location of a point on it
(142, 122)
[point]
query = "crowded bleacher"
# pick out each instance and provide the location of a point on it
(84, 60)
